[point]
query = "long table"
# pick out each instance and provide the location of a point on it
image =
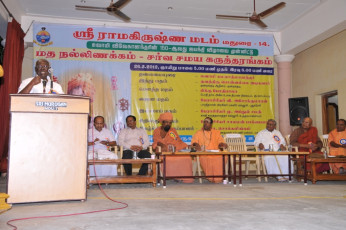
(234, 155)
(280, 153)
(315, 176)
(125, 179)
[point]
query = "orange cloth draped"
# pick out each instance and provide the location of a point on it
(165, 117)
(337, 137)
(212, 165)
(308, 136)
(175, 165)
(312, 136)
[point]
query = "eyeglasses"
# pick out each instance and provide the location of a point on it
(42, 66)
(206, 121)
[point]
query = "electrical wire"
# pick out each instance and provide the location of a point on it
(125, 205)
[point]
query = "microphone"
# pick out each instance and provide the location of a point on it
(50, 73)
(44, 82)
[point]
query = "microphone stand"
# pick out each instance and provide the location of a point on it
(50, 74)
(44, 82)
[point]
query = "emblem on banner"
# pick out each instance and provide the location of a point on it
(276, 138)
(43, 38)
(343, 141)
(123, 104)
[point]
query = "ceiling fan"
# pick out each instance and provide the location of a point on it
(112, 9)
(255, 18)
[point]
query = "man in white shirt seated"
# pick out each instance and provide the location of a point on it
(41, 83)
(99, 139)
(271, 136)
(134, 140)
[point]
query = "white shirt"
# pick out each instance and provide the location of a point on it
(104, 135)
(39, 87)
(136, 136)
(266, 138)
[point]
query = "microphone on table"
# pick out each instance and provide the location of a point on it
(44, 82)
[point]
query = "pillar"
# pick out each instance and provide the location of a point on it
(284, 91)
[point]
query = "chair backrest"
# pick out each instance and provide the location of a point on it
(287, 139)
(324, 139)
(235, 142)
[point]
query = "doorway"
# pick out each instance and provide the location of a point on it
(330, 111)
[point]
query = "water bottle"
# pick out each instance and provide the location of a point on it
(134, 155)
(325, 153)
(271, 148)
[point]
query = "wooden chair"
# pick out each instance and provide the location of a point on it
(287, 139)
(118, 150)
(236, 143)
(136, 166)
(325, 147)
(196, 168)
(263, 165)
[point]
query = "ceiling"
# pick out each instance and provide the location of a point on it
(184, 13)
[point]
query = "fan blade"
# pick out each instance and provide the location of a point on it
(79, 7)
(232, 17)
(120, 3)
(117, 12)
(259, 22)
(272, 9)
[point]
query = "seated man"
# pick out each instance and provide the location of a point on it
(210, 139)
(99, 139)
(271, 136)
(41, 81)
(166, 135)
(307, 140)
(337, 145)
(136, 140)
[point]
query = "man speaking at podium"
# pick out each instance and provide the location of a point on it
(42, 82)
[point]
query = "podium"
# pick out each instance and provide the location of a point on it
(48, 148)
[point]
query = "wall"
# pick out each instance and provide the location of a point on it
(319, 70)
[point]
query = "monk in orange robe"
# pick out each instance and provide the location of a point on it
(209, 139)
(167, 135)
(337, 145)
(307, 139)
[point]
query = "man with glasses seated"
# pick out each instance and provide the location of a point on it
(271, 136)
(41, 83)
(210, 139)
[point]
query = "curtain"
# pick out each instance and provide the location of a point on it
(12, 65)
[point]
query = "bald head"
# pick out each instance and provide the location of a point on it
(307, 122)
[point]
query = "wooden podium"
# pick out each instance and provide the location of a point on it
(48, 148)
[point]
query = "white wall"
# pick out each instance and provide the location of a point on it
(319, 70)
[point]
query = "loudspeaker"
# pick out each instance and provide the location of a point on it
(298, 109)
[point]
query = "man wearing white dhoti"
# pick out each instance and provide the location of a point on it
(271, 136)
(99, 139)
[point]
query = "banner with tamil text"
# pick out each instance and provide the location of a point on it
(145, 72)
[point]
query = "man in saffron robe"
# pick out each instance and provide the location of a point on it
(210, 139)
(307, 139)
(167, 135)
(337, 145)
